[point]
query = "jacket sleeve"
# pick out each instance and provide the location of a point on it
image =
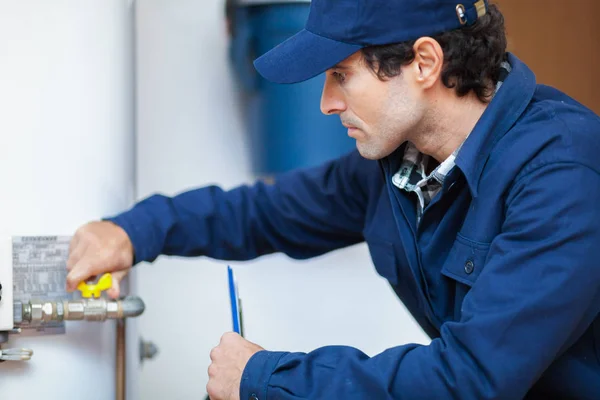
(304, 213)
(538, 292)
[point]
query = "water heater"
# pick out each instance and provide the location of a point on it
(66, 157)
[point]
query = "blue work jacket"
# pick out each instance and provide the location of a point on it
(501, 272)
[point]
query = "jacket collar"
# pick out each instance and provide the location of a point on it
(504, 110)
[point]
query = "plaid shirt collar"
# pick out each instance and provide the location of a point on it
(412, 175)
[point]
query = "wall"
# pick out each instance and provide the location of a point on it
(189, 134)
(561, 47)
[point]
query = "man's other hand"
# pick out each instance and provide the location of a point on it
(96, 248)
(229, 359)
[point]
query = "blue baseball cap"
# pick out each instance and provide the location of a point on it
(336, 29)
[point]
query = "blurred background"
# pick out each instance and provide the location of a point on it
(114, 100)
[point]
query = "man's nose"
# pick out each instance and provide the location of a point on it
(332, 100)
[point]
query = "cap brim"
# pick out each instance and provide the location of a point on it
(301, 57)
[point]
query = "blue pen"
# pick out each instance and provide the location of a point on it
(236, 303)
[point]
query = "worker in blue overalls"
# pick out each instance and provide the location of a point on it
(476, 190)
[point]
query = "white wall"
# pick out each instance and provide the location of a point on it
(190, 135)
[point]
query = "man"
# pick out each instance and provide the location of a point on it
(475, 189)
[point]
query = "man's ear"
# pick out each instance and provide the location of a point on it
(428, 62)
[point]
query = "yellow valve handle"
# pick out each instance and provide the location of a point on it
(94, 289)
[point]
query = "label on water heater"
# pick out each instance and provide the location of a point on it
(40, 272)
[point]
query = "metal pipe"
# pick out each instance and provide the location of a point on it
(132, 306)
(120, 370)
(40, 312)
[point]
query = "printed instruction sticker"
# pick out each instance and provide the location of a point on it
(40, 272)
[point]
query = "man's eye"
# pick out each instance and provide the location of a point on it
(339, 76)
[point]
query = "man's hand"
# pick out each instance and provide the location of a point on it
(96, 248)
(229, 359)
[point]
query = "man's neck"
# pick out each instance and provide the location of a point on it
(447, 125)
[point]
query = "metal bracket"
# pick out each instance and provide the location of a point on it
(15, 354)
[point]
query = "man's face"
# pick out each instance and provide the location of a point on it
(380, 115)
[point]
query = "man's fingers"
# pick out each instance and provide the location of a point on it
(119, 275)
(228, 359)
(212, 370)
(80, 272)
(213, 353)
(229, 337)
(211, 389)
(90, 265)
(75, 254)
(115, 290)
(96, 248)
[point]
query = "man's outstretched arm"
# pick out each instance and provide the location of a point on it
(303, 214)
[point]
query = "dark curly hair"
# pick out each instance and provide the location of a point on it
(472, 55)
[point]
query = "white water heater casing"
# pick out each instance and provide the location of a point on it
(66, 157)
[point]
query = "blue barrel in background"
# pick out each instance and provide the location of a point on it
(286, 127)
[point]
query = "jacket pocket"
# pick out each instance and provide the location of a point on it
(463, 265)
(384, 259)
(466, 260)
